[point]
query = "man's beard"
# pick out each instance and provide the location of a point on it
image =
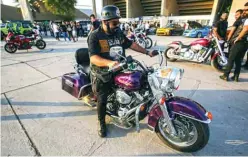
(113, 30)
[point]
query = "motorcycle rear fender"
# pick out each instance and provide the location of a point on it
(178, 106)
(174, 44)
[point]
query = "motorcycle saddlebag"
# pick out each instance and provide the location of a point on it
(72, 82)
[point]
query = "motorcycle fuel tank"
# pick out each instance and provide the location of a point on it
(202, 42)
(129, 80)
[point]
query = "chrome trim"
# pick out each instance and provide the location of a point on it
(168, 119)
(137, 115)
(81, 89)
(206, 122)
(207, 55)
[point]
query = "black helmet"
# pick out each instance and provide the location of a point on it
(110, 12)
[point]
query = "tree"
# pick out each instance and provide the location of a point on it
(64, 8)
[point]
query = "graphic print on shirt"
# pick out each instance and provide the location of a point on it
(114, 51)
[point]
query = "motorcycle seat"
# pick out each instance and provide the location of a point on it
(83, 60)
(184, 46)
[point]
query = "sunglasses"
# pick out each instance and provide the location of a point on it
(114, 23)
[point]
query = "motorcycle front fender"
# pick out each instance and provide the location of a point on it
(214, 55)
(178, 106)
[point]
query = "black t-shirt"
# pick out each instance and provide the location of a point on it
(95, 24)
(221, 28)
(100, 43)
(237, 22)
(63, 28)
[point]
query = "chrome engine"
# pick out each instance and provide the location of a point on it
(124, 102)
(195, 53)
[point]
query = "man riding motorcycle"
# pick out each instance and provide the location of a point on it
(101, 40)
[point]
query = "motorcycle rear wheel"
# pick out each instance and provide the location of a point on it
(10, 47)
(166, 54)
(40, 44)
(192, 135)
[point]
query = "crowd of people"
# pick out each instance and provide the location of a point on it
(68, 30)
(128, 27)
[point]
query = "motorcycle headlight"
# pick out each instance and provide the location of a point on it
(170, 77)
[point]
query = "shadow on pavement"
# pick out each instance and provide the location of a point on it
(228, 130)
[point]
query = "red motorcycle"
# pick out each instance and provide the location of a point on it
(22, 42)
(199, 51)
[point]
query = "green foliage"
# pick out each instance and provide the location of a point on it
(64, 8)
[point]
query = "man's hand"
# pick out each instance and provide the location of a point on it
(236, 40)
(112, 64)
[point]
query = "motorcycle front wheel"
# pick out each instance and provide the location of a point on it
(148, 42)
(169, 54)
(191, 135)
(40, 44)
(218, 64)
(10, 47)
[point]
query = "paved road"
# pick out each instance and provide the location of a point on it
(38, 118)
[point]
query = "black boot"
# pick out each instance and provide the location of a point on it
(102, 130)
(224, 77)
(235, 78)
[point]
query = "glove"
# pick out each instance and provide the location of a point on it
(152, 53)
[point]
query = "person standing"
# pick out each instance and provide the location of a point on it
(64, 31)
(220, 27)
(147, 27)
(238, 48)
(94, 22)
(44, 29)
(69, 31)
(79, 29)
(74, 30)
(56, 31)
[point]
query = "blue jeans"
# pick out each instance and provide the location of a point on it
(66, 36)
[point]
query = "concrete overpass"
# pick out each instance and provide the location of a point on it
(136, 8)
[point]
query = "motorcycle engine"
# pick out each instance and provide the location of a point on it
(124, 102)
(189, 54)
(122, 97)
(196, 48)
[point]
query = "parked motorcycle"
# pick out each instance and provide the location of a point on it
(137, 37)
(143, 35)
(21, 42)
(199, 51)
(139, 91)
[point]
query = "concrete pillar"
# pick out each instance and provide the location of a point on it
(236, 5)
(134, 8)
(94, 8)
(214, 13)
(169, 7)
(107, 2)
(26, 12)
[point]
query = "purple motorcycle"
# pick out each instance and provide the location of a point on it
(139, 92)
